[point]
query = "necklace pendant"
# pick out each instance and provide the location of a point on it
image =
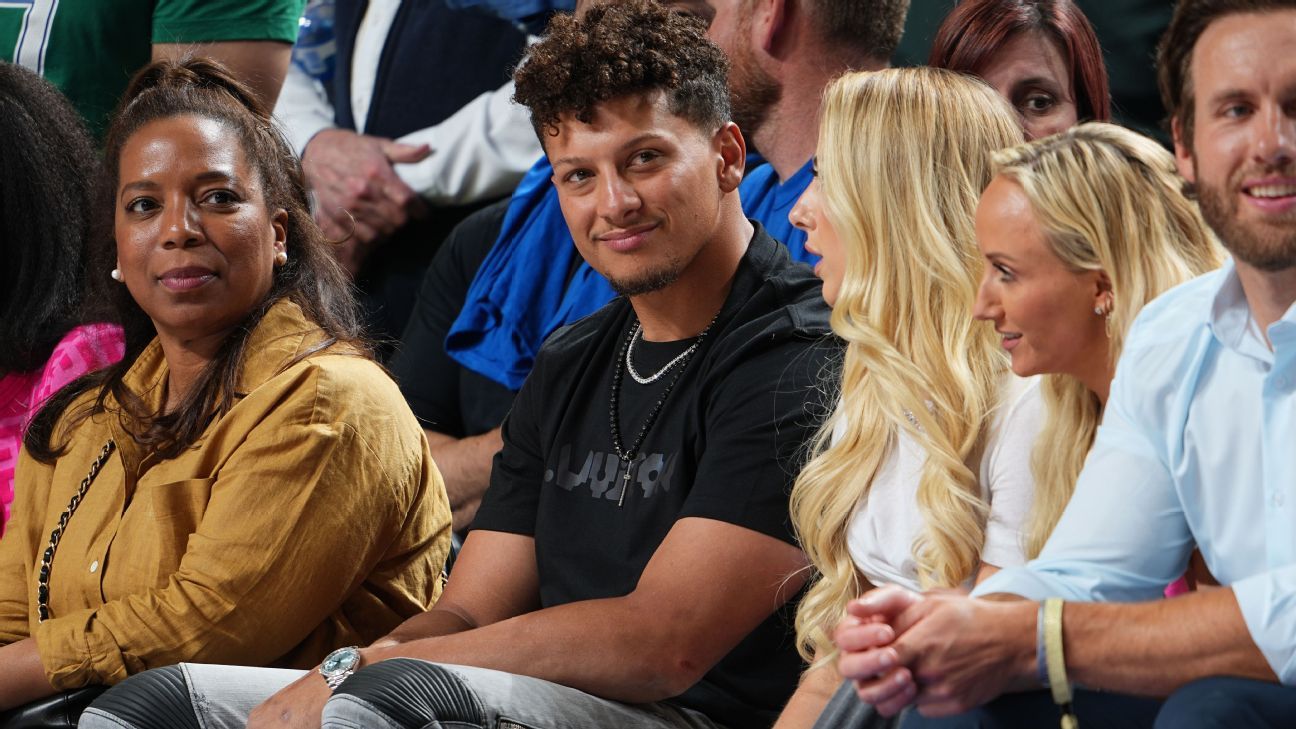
(625, 486)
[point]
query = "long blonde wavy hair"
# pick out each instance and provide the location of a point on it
(903, 157)
(1108, 199)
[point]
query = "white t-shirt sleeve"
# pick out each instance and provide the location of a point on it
(1005, 470)
(478, 153)
(303, 109)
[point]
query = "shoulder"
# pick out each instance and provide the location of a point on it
(574, 339)
(1019, 397)
(86, 348)
(1176, 316)
(92, 345)
(1019, 417)
(757, 179)
(343, 384)
(777, 303)
(1162, 349)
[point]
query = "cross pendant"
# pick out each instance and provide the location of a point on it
(625, 485)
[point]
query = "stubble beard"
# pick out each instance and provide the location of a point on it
(649, 281)
(1264, 246)
(752, 92)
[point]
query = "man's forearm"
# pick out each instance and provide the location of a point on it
(1155, 647)
(609, 648)
(465, 465)
(433, 623)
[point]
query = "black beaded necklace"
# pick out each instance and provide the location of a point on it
(627, 455)
(47, 559)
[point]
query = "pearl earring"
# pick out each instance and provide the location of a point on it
(281, 258)
(116, 274)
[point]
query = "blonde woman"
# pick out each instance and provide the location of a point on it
(1079, 231)
(922, 475)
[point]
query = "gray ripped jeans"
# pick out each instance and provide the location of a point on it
(400, 693)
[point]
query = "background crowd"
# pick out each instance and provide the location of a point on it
(647, 363)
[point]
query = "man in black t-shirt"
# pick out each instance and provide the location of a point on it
(780, 61)
(634, 546)
(632, 564)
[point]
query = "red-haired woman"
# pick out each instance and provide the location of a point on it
(1040, 55)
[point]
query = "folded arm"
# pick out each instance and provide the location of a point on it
(261, 570)
(708, 585)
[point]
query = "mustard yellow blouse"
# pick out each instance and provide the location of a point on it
(309, 517)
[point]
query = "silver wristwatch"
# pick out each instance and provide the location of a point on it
(339, 665)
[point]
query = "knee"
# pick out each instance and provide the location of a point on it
(1221, 702)
(978, 718)
(157, 699)
(407, 693)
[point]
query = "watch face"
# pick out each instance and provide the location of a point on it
(339, 661)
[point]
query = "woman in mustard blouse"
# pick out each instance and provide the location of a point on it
(247, 485)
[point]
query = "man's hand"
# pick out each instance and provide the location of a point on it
(297, 706)
(358, 195)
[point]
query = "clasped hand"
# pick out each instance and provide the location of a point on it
(359, 197)
(941, 651)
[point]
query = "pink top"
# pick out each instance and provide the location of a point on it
(84, 349)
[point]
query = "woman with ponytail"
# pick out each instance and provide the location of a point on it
(921, 477)
(1079, 231)
(246, 486)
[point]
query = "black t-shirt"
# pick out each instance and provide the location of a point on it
(727, 446)
(445, 396)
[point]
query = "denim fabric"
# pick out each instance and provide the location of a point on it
(393, 694)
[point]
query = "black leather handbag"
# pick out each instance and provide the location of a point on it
(59, 711)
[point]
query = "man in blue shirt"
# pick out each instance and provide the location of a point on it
(1197, 450)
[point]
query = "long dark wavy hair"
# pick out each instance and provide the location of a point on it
(311, 278)
(48, 167)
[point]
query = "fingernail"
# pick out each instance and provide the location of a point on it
(900, 679)
(887, 659)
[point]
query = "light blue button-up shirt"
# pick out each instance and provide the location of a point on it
(1197, 448)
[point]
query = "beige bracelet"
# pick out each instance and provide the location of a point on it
(1056, 662)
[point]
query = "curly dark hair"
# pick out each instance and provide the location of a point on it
(311, 278)
(48, 166)
(617, 50)
(1175, 52)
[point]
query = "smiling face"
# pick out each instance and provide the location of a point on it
(1243, 154)
(641, 189)
(196, 243)
(1030, 72)
(810, 215)
(1043, 309)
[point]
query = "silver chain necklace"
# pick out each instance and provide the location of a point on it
(627, 455)
(629, 357)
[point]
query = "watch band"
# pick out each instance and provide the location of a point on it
(1056, 662)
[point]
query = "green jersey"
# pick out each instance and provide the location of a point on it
(90, 48)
